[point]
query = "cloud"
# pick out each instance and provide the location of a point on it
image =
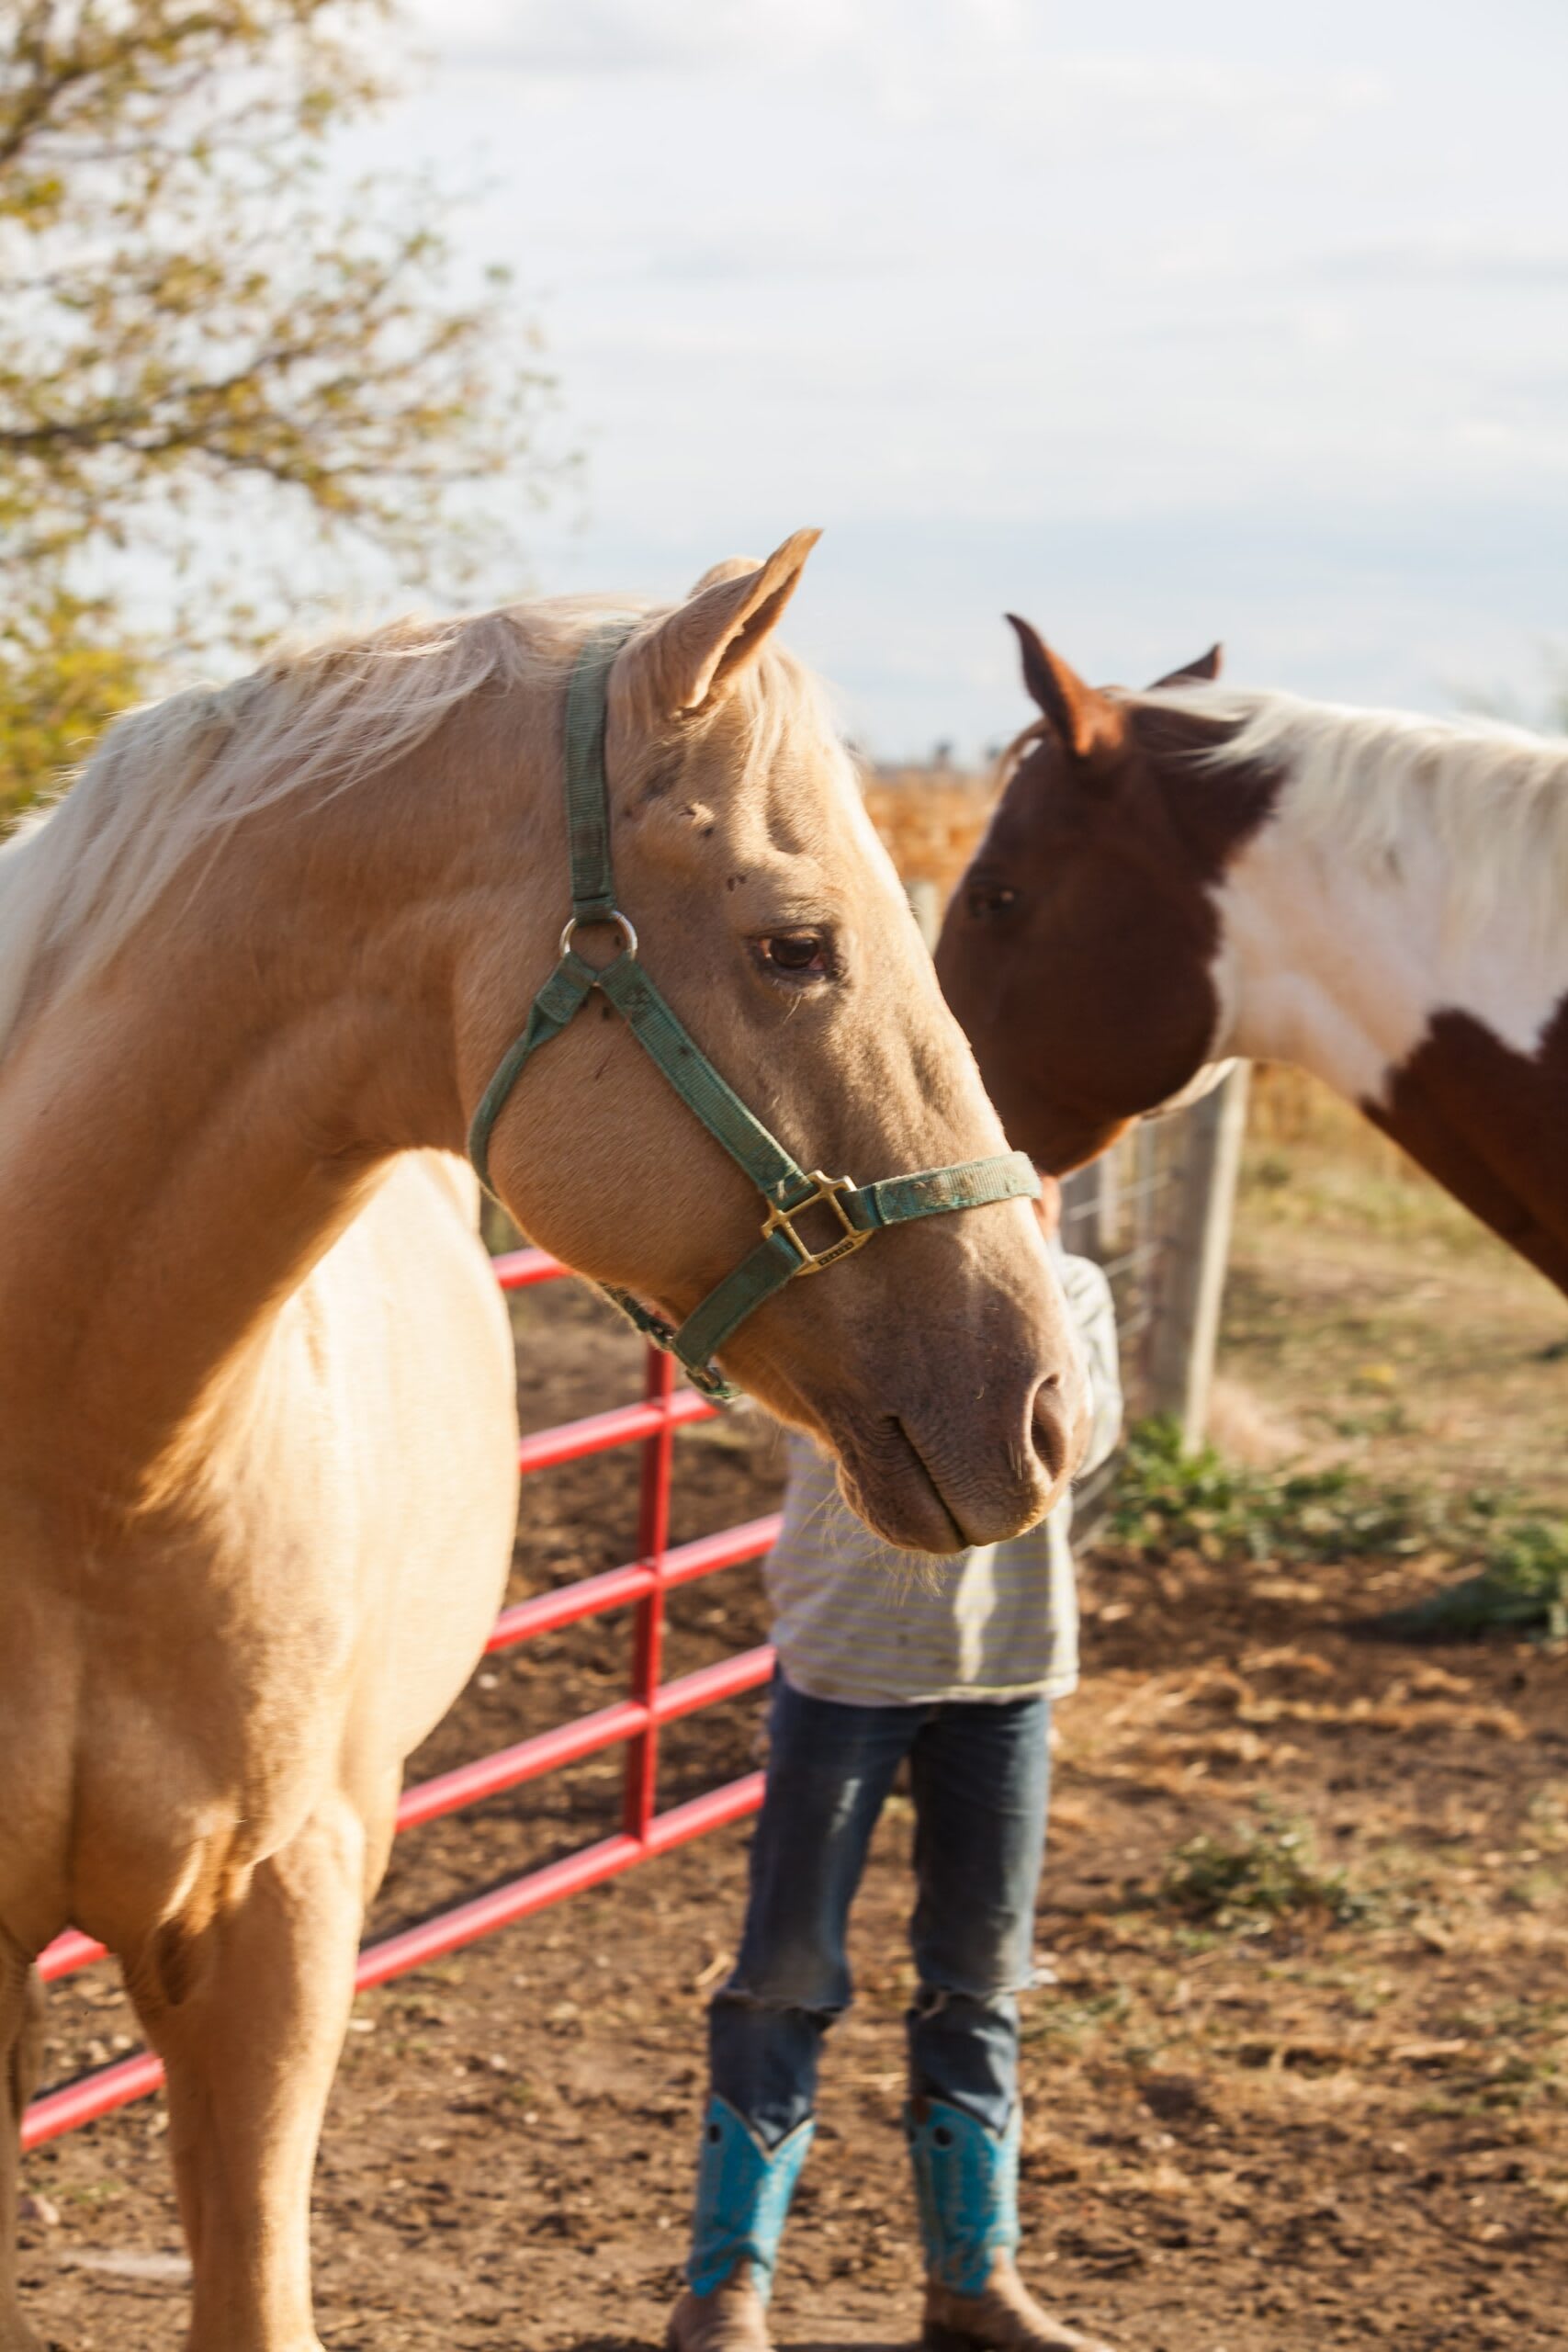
(755, 256)
(1468, 264)
(623, 37)
(1044, 304)
(1004, 62)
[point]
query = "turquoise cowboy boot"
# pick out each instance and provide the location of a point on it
(966, 2189)
(743, 2193)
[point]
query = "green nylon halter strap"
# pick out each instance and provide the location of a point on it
(587, 789)
(697, 1083)
(782, 1253)
(896, 1201)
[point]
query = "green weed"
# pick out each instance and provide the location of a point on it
(1166, 1500)
(1245, 1885)
(1521, 1586)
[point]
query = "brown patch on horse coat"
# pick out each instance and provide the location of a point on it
(1490, 1125)
(1094, 867)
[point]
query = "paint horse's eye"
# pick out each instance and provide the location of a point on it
(988, 901)
(795, 955)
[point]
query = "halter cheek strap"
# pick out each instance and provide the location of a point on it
(786, 1188)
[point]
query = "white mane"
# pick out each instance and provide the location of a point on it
(1361, 784)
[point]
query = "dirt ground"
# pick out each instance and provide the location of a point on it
(1344, 2124)
(1376, 1323)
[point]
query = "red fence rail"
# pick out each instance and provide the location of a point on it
(638, 1719)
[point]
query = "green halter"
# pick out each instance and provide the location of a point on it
(781, 1252)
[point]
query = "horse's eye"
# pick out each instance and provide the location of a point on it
(799, 954)
(987, 900)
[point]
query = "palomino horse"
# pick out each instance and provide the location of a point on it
(1197, 872)
(257, 1442)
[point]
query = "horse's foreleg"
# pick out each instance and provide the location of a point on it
(22, 2063)
(249, 2020)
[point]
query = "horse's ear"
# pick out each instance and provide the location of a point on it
(1207, 666)
(734, 567)
(1087, 720)
(698, 650)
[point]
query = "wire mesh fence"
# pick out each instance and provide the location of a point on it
(1122, 1211)
(1155, 1211)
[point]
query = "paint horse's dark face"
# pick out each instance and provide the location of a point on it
(1078, 951)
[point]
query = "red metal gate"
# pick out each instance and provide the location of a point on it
(650, 1703)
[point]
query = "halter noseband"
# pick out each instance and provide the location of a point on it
(786, 1188)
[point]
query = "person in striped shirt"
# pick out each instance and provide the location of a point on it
(950, 1666)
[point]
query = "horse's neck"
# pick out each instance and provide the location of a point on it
(185, 1133)
(1316, 968)
(1339, 963)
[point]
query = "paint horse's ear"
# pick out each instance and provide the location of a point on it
(698, 650)
(1207, 666)
(1086, 720)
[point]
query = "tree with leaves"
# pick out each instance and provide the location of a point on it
(208, 343)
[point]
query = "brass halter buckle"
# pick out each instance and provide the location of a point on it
(828, 1189)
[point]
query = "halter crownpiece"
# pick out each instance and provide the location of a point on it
(787, 1189)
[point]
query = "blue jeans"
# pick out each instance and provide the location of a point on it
(980, 1773)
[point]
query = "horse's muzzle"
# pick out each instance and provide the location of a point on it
(946, 1480)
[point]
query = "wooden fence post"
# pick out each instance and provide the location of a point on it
(1192, 1270)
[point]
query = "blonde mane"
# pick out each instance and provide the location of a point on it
(314, 722)
(1363, 784)
(317, 718)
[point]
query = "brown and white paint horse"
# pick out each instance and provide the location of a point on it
(1199, 872)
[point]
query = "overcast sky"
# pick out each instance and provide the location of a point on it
(1157, 323)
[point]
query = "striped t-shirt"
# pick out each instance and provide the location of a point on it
(859, 1621)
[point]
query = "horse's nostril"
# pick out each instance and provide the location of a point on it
(1048, 1426)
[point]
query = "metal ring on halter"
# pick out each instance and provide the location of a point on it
(628, 933)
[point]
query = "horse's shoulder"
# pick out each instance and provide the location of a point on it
(411, 1274)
